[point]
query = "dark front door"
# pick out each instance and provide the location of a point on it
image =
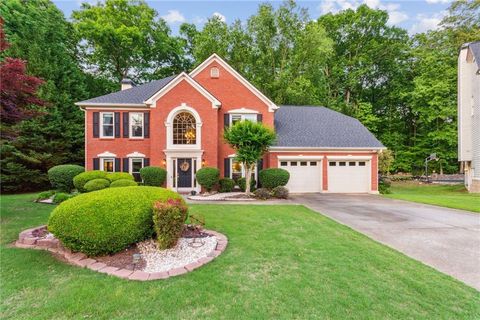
(184, 170)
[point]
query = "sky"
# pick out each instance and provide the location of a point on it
(412, 15)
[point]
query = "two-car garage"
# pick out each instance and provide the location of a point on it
(344, 174)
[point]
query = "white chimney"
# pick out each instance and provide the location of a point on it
(127, 84)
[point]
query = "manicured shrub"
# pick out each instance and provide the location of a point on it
(273, 177)
(80, 180)
(207, 177)
(263, 193)
(61, 177)
(226, 185)
(242, 183)
(384, 185)
(123, 183)
(168, 222)
(114, 176)
(61, 196)
(280, 192)
(108, 220)
(96, 184)
(153, 176)
(45, 195)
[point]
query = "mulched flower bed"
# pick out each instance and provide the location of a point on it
(142, 261)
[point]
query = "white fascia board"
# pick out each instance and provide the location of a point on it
(333, 149)
(109, 105)
(183, 77)
(106, 154)
(135, 155)
(214, 57)
(349, 157)
(301, 157)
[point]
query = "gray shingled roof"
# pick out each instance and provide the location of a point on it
(475, 47)
(312, 126)
(134, 95)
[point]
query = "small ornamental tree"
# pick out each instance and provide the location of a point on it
(250, 141)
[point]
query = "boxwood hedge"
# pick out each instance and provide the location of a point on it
(114, 176)
(61, 177)
(108, 220)
(96, 184)
(80, 180)
(273, 177)
(123, 183)
(207, 177)
(153, 176)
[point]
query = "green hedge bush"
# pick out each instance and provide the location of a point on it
(123, 183)
(96, 184)
(226, 185)
(61, 197)
(61, 177)
(263, 193)
(273, 177)
(168, 222)
(280, 192)
(114, 176)
(153, 176)
(108, 220)
(207, 177)
(242, 183)
(45, 195)
(80, 180)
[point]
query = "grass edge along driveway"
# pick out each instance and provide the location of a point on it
(450, 196)
(282, 262)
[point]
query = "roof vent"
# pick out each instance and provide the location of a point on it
(127, 84)
(214, 72)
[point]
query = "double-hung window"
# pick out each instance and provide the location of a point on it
(234, 118)
(107, 164)
(107, 125)
(136, 125)
(136, 165)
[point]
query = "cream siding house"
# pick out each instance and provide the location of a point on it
(469, 114)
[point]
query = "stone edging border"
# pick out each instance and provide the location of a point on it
(29, 239)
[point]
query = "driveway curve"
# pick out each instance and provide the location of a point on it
(446, 239)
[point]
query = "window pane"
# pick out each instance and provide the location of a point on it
(236, 170)
(361, 163)
(184, 129)
(332, 164)
(351, 164)
(137, 131)
(137, 164)
(107, 124)
(108, 130)
(136, 123)
(342, 163)
(303, 163)
(107, 118)
(283, 163)
(236, 118)
(250, 117)
(313, 163)
(108, 165)
(293, 163)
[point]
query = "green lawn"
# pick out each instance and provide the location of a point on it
(451, 196)
(281, 262)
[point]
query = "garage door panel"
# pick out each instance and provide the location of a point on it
(348, 176)
(305, 176)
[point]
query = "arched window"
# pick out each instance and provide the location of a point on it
(184, 129)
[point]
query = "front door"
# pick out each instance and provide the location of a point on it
(184, 171)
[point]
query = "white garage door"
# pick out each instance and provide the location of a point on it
(305, 176)
(348, 176)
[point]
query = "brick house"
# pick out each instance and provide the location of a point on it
(178, 122)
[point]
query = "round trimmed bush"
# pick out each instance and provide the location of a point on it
(96, 184)
(80, 180)
(114, 176)
(61, 177)
(242, 183)
(262, 193)
(280, 192)
(123, 183)
(153, 176)
(274, 177)
(226, 185)
(108, 220)
(207, 177)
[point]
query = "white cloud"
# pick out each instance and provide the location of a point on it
(173, 16)
(220, 16)
(437, 1)
(424, 23)
(395, 15)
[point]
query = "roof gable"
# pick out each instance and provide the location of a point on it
(215, 58)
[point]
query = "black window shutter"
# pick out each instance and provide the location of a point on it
(96, 163)
(146, 162)
(117, 124)
(259, 168)
(259, 117)
(125, 164)
(96, 124)
(125, 125)
(226, 167)
(226, 120)
(117, 164)
(146, 124)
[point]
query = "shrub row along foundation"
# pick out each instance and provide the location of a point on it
(35, 239)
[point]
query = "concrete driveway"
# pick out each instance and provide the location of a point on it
(446, 239)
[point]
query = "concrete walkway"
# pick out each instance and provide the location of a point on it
(446, 239)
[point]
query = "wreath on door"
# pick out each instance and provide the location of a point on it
(184, 166)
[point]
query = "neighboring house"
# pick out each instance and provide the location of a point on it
(469, 114)
(178, 122)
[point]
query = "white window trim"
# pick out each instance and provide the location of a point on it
(106, 154)
(242, 115)
(101, 125)
(169, 126)
(243, 110)
(135, 154)
(102, 159)
(130, 163)
(130, 125)
(232, 159)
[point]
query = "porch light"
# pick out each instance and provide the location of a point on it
(204, 162)
(164, 162)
